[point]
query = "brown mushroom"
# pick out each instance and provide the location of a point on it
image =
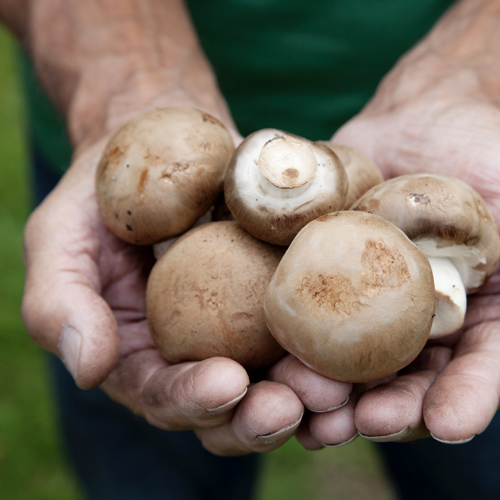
(450, 222)
(277, 182)
(204, 296)
(362, 172)
(352, 298)
(160, 172)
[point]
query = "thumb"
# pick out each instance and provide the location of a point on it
(62, 309)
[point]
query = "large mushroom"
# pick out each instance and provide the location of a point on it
(450, 222)
(204, 297)
(277, 182)
(352, 298)
(160, 172)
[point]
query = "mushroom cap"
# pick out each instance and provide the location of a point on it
(444, 217)
(353, 297)
(160, 172)
(362, 172)
(277, 182)
(204, 297)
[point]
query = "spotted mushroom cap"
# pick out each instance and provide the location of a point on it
(277, 182)
(352, 298)
(443, 216)
(160, 172)
(204, 297)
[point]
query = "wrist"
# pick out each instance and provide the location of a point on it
(98, 112)
(467, 35)
(459, 57)
(105, 61)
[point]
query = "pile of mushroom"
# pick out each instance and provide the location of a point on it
(356, 294)
(325, 301)
(157, 178)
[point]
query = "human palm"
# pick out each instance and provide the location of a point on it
(84, 301)
(441, 118)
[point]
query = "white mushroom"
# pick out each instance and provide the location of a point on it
(450, 222)
(277, 182)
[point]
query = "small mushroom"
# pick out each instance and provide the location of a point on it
(450, 222)
(160, 172)
(277, 182)
(352, 298)
(362, 172)
(204, 297)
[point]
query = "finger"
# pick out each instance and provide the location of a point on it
(335, 428)
(465, 396)
(178, 397)
(316, 392)
(483, 308)
(394, 411)
(304, 436)
(266, 418)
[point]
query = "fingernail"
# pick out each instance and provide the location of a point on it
(282, 433)
(341, 444)
(69, 348)
(332, 408)
(462, 441)
(226, 406)
(397, 436)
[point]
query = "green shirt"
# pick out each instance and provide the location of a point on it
(304, 66)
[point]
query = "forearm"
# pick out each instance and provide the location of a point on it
(103, 61)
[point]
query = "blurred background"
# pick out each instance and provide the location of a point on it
(33, 465)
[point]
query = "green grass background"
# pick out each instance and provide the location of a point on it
(32, 463)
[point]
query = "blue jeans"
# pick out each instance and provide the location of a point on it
(118, 456)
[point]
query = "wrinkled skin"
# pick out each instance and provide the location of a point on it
(433, 113)
(72, 259)
(84, 291)
(84, 294)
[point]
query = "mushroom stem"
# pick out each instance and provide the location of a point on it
(287, 163)
(451, 298)
(278, 182)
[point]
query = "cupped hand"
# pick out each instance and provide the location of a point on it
(435, 113)
(84, 301)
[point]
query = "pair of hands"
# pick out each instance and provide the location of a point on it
(84, 297)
